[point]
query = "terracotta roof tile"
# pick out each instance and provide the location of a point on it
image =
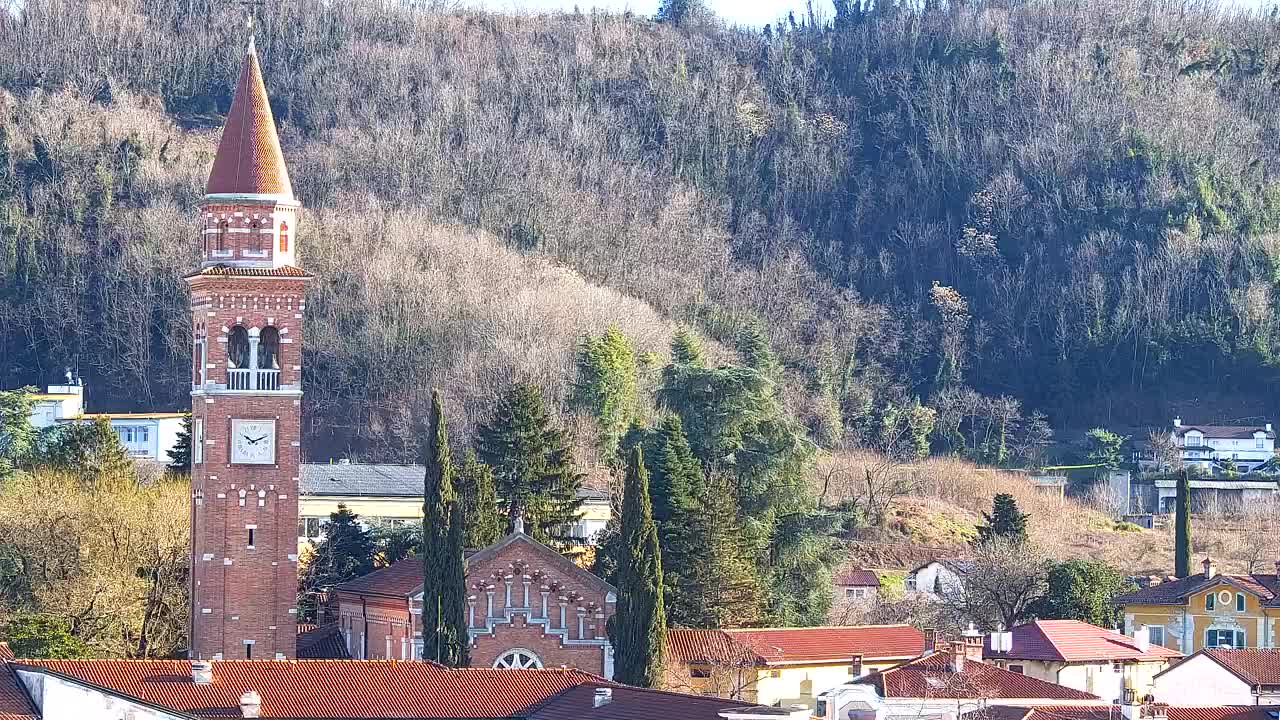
(931, 676)
(632, 703)
(1074, 641)
(1175, 592)
(857, 577)
(333, 689)
(1256, 667)
(14, 702)
(230, 271)
(1114, 712)
(779, 646)
(249, 160)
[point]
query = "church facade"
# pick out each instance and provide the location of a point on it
(527, 607)
(247, 309)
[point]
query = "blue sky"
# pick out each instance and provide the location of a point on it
(746, 12)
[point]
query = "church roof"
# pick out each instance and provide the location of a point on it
(249, 160)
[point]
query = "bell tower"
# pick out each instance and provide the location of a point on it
(246, 389)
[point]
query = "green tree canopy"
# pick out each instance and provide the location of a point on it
(1103, 447)
(42, 636)
(90, 449)
(17, 435)
(1083, 590)
(180, 453)
(606, 384)
(533, 467)
(443, 593)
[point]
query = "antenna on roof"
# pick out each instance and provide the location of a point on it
(249, 6)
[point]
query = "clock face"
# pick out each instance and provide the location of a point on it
(253, 442)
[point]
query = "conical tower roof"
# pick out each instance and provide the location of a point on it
(249, 161)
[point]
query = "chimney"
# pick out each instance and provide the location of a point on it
(603, 697)
(201, 672)
(517, 526)
(1001, 640)
(250, 705)
(971, 641)
(1268, 426)
(956, 656)
(1177, 421)
(1142, 638)
(855, 667)
(932, 641)
(1210, 569)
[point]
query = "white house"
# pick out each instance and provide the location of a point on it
(936, 577)
(1205, 446)
(1222, 676)
(145, 435)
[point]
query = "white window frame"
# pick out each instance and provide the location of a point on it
(197, 441)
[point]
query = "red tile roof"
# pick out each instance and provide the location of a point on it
(249, 160)
(229, 271)
(632, 703)
(1114, 712)
(14, 702)
(1175, 592)
(332, 689)
(857, 577)
(1256, 667)
(1074, 641)
(780, 646)
(931, 676)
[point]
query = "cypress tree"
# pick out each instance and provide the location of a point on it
(533, 468)
(442, 594)
(482, 523)
(454, 604)
(640, 625)
(1182, 527)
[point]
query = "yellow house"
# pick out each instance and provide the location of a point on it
(390, 495)
(1078, 655)
(1208, 609)
(782, 666)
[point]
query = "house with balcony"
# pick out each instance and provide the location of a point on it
(145, 435)
(1214, 449)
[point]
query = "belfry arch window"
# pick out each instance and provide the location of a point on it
(518, 658)
(269, 349)
(284, 237)
(238, 348)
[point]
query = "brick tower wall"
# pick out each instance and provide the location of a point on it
(241, 593)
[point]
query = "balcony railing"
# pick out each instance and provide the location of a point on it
(250, 379)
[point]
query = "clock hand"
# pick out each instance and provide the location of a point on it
(254, 441)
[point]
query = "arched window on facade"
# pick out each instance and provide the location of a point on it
(255, 237)
(269, 349)
(284, 237)
(518, 658)
(238, 348)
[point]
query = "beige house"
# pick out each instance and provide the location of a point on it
(1081, 656)
(782, 666)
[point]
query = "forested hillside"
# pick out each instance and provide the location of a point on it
(1068, 206)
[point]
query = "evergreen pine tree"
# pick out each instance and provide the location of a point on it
(685, 349)
(533, 468)
(753, 346)
(345, 551)
(640, 625)
(442, 594)
(482, 523)
(1182, 527)
(717, 583)
(180, 453)
(1005, 521)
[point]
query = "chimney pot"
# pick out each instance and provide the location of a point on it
(603, 697)
(250, 705)
(932, 641)
(1210, 569)
(201, 672)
